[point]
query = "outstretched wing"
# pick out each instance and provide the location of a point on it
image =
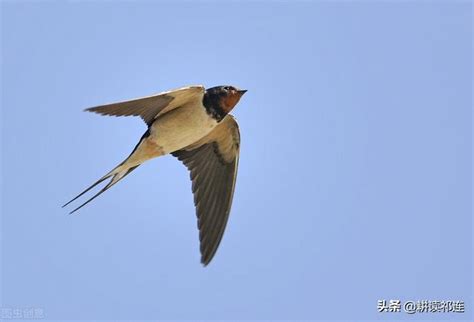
(148, 108)
(212, 162)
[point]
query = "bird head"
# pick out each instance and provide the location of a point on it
(224, 97)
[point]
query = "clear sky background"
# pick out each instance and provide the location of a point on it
(355, 171)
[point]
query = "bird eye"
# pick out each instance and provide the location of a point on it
(227, 88)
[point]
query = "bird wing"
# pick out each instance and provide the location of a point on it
(212, 162)
(148, 108)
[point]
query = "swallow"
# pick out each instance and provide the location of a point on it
(194, 125)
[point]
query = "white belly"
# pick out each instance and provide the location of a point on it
(181, 127)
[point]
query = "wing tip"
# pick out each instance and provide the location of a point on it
(208, 255)
(205, 261)
(91, 109)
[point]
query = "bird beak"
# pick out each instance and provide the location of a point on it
(241, 91)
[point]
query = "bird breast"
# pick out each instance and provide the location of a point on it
(181, 127)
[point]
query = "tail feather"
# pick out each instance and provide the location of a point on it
(82, 193)
(116, 175)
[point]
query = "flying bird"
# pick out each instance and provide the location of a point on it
(194, 125)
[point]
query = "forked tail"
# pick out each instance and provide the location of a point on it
(117, 174)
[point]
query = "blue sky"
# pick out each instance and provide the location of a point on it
(355, 173)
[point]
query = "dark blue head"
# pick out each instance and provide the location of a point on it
(220, 100)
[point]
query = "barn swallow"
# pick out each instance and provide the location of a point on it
(194, 125)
